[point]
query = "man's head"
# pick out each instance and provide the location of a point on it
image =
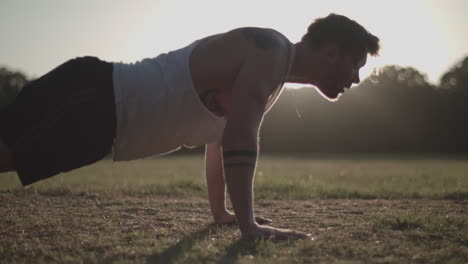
(332, 52)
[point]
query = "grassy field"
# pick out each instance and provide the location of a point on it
(359, 210)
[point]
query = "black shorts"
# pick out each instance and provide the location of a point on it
(61, 121)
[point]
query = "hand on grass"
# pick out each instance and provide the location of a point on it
(276, 233)
(230, 218)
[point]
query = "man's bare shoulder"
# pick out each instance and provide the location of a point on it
(216, 62)
(261, 38)
(238, 43)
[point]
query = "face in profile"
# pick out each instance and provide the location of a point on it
(340, 73)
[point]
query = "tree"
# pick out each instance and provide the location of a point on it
(456, 79)
(11, 83)
(396, 110)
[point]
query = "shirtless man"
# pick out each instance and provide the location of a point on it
(213, 92)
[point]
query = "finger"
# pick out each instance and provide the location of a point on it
(299, 235)
(262, 220)
(290, 234)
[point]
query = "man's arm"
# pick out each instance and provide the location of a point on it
(254, 84)
(240, 142)
(215, 181)
(216, 186)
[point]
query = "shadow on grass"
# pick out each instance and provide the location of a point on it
(171, 254)
(233, 252)
(240, 248)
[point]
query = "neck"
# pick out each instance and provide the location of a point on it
(305, 66)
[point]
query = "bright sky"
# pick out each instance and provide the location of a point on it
(36, 36)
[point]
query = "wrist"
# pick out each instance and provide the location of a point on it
(221, 214)
(248, 229)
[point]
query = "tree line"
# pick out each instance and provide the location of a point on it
(11, 83)
(395, 110)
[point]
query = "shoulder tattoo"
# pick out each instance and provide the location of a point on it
(208, 98)
(262, 38)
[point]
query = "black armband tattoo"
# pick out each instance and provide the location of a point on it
(233, 153)
(239, 164)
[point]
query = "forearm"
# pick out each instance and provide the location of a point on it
(215, 180)
(239, 184)
(217, 197)
(239, 167)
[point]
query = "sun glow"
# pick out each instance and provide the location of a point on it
(425, 34)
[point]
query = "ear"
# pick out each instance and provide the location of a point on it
(331, 52)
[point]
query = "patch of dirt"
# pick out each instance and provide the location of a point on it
(27, 212)
(96, 222)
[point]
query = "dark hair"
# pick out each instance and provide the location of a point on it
(350, 37)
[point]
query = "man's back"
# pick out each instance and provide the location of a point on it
(158, 110)
(183, 97)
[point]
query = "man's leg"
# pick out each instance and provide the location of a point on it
(6, 161)
(62, 121)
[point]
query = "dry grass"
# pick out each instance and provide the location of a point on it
(96, 228)
(155, 211)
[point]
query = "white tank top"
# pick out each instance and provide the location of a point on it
(158, 109)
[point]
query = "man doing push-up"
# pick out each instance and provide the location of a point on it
(214, 92)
